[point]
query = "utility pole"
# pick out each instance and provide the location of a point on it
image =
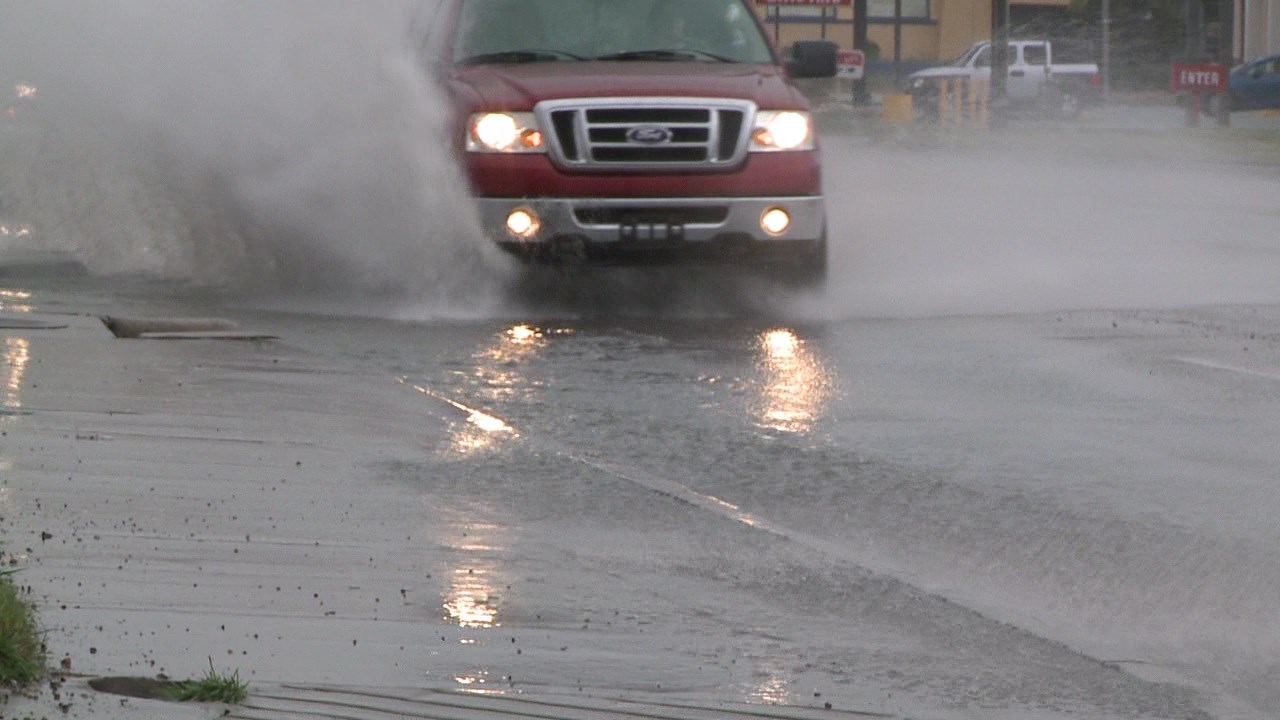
(1106, 50)
(897, 43)
(860, 94)
(1226, 53)
(1193, 52)
(1195, 30)
(999, 60)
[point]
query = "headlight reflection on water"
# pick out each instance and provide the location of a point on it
(14, 231)
(774, 690)
(479, 431)
(15, 301)
(477, 678)
(472, 599)
(796, 386)
(516, 343)
(17, 354)
(524, 335)
(497, 374)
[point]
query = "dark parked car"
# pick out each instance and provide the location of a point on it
(1256, 85)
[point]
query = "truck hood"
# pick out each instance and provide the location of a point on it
(519, 87)
(939, 71)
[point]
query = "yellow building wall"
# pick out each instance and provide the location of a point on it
(961, 23)
(918, 41)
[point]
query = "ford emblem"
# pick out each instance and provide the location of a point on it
(649, 135)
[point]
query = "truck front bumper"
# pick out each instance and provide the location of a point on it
(617, 227)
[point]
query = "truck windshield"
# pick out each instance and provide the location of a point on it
(968, 54)
(522, 31)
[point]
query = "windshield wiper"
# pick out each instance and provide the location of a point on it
(520, 56)
(665, 55)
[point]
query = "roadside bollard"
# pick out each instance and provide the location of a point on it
(896, 109)
(944, 102)
(982, 91)
(964, 101)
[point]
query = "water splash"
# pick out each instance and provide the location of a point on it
(273, 150)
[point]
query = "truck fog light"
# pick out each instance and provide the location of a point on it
(523, 223)
(775, 221)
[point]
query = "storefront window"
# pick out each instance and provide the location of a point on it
(913, 9)
(877, 10)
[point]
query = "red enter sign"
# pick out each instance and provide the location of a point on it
(851, 64)
(1201, 77)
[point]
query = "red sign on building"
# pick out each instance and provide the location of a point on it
(1198, 77)
(851, 64)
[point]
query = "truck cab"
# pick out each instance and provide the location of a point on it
(1056, 78)
(633, 131)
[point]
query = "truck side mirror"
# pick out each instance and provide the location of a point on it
(813, 59)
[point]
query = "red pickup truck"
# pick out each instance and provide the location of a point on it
(634, 131)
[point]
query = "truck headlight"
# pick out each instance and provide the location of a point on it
(504, 132)
(776, 130)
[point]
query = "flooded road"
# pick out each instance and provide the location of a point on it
(1071, 510)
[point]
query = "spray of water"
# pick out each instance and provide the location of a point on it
(938, 233)
(280, 149)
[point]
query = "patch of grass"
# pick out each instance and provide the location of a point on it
(213, 687)
(21, 649)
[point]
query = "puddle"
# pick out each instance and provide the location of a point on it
(179, 329)
(134, 687)
(8, 322)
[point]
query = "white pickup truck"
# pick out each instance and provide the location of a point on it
(1058, 80)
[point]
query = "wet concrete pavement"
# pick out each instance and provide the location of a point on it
(346, 541)
(186, 502)
(181, 505)
(1159, 112)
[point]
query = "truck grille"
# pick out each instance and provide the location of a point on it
(647, 133)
